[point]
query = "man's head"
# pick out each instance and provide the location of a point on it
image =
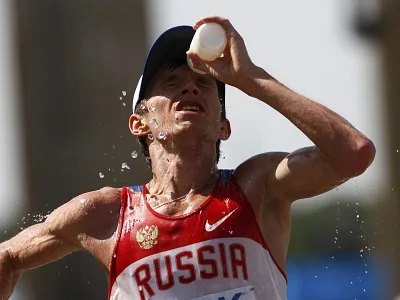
(169, 86)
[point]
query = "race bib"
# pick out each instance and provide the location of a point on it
(243, 293)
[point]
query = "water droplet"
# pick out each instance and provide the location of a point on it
(125, 166)
(134, 154)
(364, 290)
(162, 135)
(351, 282)
(115, 255)
(120, 98)
(366, 272)
(397, 150)
(124, 93)
(142, 107)
(230, 232)
(150, 136)
(140, 288)
(357, 216)
(123, 104)
(113, 146)
(315, 276)
(153, 122)
(152, 108)
(101, 175)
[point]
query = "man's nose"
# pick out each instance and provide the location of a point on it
(190, 88)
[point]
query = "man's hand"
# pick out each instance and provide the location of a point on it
(8, 275)
(235, 64)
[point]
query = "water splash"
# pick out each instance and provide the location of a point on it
(125, 166)
(101, 175)
(134, 154)
(161, 135)
(153, 122)
(124, 93)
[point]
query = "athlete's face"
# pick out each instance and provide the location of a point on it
(180, 100)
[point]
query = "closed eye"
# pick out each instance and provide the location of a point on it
(205, 82)
(169, 81)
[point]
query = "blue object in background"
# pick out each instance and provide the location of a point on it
(340, 278)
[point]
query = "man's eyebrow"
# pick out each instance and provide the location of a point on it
(165, 78)
(205, 79)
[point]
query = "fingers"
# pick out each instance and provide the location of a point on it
(231, 32)
(221, 21)
(196, 61)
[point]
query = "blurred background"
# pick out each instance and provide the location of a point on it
(67, 77)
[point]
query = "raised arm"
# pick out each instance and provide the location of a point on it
(340, 151)
(69, 228)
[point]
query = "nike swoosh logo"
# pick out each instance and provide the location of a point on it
(209, 227)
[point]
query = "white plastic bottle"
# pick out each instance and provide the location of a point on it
(209, 42)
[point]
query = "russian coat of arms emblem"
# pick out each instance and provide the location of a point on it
(147, 236)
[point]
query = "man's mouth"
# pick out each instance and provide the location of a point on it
(189, 108)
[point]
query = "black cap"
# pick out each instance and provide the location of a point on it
(171, 45)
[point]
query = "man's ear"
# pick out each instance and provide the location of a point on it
(225, 131)
(138, 125)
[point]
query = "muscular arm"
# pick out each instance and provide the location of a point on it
(31, 248)
(340, 152)
(69, 228)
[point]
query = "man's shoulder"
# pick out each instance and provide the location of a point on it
(259, 165)
(86, 213)
(109, 194)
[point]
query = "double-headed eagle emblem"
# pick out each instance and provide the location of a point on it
(147, 236)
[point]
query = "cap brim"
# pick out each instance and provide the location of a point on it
(171, 45)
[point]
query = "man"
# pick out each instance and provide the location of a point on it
(193, 231)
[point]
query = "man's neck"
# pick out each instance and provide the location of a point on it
(176, 174)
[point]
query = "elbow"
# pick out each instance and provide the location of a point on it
(362, 156)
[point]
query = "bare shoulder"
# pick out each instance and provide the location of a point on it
(252, 176)
(89, 215)
(253, 173)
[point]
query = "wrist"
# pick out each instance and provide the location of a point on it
(251, 81)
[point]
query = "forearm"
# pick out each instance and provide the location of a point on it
(344, 147)
(8, 275)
